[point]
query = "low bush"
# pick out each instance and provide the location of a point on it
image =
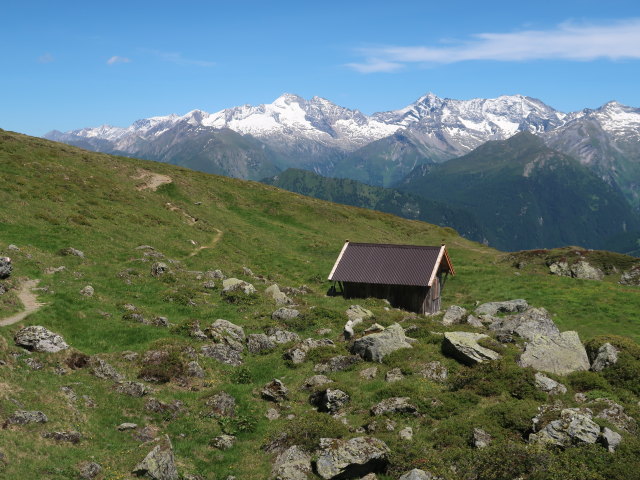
(493, 378)
(585, 381)
(306, 431)
(513, 414)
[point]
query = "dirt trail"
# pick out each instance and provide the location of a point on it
(211, 244)
(151, 180)
(29, 300)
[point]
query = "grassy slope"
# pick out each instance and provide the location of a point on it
(54, 196)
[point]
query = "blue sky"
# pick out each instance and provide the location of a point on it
(68, 65)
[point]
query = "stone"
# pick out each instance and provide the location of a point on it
(275, 391)
(272, 414)
(329, 400)
(369, 373)
(67, 436)
(315, 381)
(248, 272)
(159, 268)
(454, 315)
(230, 285)
(223, 442)
(222, 405)
(549, 385)
(509, 306)
(631, 277)
(406, 434)
(284, 314)
(475, 321)
(223, 331)
(559, 354)
(610, 439)
(222, 353)
(279, 297)
(209, 285)
(72, 251)
(13, 247)
(560, 268)
(614, 413)
(356, 311)
(534, 321)
(5, 267)
(394, 405)
(160, 322)
(24, 417)
(159, 464)
(434, 371)
(464, 347)
(393, 375)
(480, 438)
(292, 464)
(34, 364)
(40, 339)
(127, 426)
(132, 389)
(259, 343)
(573, 427)
(376, 346)
(417, 474)
(296, 355)
(586, 271)
(101, 369)
(89, 470)
(215, 274)
(606, 356)
(195, 370)
(337, 364)
(279, 336)
(196, 332)
(146, 434)
(352, 458)
(87, 291)
(375, 328)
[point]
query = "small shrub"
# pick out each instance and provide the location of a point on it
(493, 378)
(623, 344)
(584, 381)
(245, 423)
(240, 298)
(625, 373)
(306, 431)
(77, 360)
(513, 415)
(170, 367)
(447, 404)
(241, 376)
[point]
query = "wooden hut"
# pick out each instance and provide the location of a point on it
(410, 277)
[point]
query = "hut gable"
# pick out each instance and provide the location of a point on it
(409, 276)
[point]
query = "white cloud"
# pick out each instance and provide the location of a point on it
(46, 58)
(116, 59)
(178, 59)
(568, 41)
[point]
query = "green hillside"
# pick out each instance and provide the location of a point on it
(528, 196)
(113, 209)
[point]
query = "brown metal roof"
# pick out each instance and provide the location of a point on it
(389, 264)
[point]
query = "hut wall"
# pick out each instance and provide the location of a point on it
(413, 299)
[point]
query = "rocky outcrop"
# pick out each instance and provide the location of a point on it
(275, 391)
(631, 277)
(464, 347)
(549, 385)
(354, 458)
(89, 470)
(223, 442)
(454, 315)
(223, 331)
(329, 400)
(40, 339)
(284, 314)
(355, 312)
(610, 439)
(606, 356)
(393, 375)
(87, 291)
(575, 426)
(581, 269)
(5, 267)
(376, 346)
(560, 354)
(315, 381)
(223, 353)
(480, 438)
(159, 464)
(394, 405)
(222, 405)
(132, 389)
(23, 417)
(509, 306)
(337, 364)
(101, 369)
(279, 297)
(259, 343)
(230, 285)
(159, 268)
(534, 321)
(292, 464)
(614, 413)
(434, 371)
(72, 251)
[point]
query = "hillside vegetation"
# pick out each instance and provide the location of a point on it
(127, 215)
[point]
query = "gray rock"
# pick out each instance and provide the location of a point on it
(70, 436)
(606, 356)
(230, 285)
(215, 274)
(610, 439)
(454, 315)
(89, 470)
(195, 370)
(127, 426)
(222, 405)
(275, 391)
(222, 353)
(480, 438)
(196, 332)
(87, 291)
(5, 267)
(279, 336)
(132, 389)
(394, 405)
(34, 363)
(13, 247)
(102, 369)
(475, 321)
(292, 464)
(369, 373)
(279, 297)
(376, 346)
(375, 328)
(434, 371)
(209, 285)
(352, 458)
(223, 331)
(23, 417)
(337, 364)
(631, 277)
(534, 321)
(284, 314)
(272, 414)
(417, 474)
(615, 414)
(248, 272)
(159, 464)
(559, 354)
(72, 251)
(509, 306)
(315, 381)
(296, 355)
(160, 322)
(586, 271)
(573, 427)
(40, 339)
(146, 434)
(406, 434)
(329, 400)
(560, 269)
(393, 375)
(259, 343)
(464, 347)
(357, 312)
(159, 268)
(223, 442)
(549, 385)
